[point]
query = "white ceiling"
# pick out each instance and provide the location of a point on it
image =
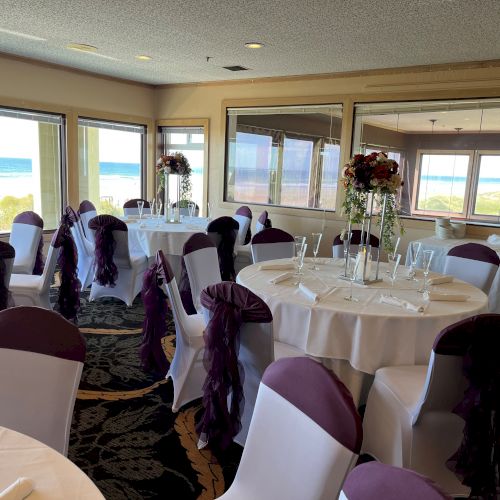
(301, 36)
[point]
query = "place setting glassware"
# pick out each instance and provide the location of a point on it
(426, 265)
(346, 241)
(414, 249)
(191, 208)
(299, 243)
(394, 252)
(152, 205)
(300, 250)
(159, 206)
(316, 239)
(352, 264)
(394, 260)
(140, 207)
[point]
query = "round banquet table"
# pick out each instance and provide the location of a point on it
(356, 338)
(53, 475)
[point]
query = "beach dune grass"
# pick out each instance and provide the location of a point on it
(10, 206)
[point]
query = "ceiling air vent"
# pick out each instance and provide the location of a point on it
(235, 68)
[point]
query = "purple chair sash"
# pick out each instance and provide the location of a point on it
(86, 206)
(69, 291)
(475, 251)
(227, 229)
(477, 460)
(33, 219)
(246, 212)
(155, 319)
(6, 252)
(265, 220)
(133, 203)
(230, 305)
(272, 235)
(106, 271)
(356, 239)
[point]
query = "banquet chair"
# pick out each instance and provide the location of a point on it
(233, 315)
(118, 272)
(263, 222)
(7, 255)
(338, 244)
(87, 211)
(31, 289)
(304, 436)
(374, 481)
(271, 244)
(200, 267)
(243, 216)
(223, 231)
(474, 263)
(186, 369)
(184, 211)
(26, 237)
(130, 207)
(409, 420)
(40, 369)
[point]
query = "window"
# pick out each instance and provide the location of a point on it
(111, 160)
(30, 165)
(286, 156)
(190, 141)
(448, 152)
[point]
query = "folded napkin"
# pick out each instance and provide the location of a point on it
(277, 267)
(280, 278)
(449, 297)
(395, 301)
(314, 296)
(494, 239)
(18, 490)
(439, 280)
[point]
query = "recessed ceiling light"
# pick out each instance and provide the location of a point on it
(144, 58)
(23, 35)
(81, 47)
(254, 45)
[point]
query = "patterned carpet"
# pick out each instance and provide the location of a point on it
(124, 434)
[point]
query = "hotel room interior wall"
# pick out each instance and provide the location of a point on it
(208, 100)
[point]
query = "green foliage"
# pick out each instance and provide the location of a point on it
(106, 207)
(10, 206)
(486, 203)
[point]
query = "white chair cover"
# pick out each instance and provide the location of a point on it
(25, 235)
(338, 244)
(263, 222)
(272, 243)
(87, 211)
(301, 443)
(130, 207)
(40, 369)
(244, 218)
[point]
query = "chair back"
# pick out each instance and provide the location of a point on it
(202, 265)
(25, 237)
(223, 231)
(7, 255)
(338, 244)
(87, 211)
(263, 222)
(40, 369)
(474, 263)
(185, 210)
(374, 480)
(130, 207)
(271, 244)
(244, 218)
(301, 443)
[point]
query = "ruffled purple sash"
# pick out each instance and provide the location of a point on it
(185, 291)
(6, 252)
(230, 305)
(106, 271)
(227, 229)
(155, 322)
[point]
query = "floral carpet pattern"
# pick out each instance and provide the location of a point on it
(124, 434)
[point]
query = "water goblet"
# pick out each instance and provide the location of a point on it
(140, 207)
(394, 260)
(426, 264)
(316, 237)
(414, 250)
(351, 271)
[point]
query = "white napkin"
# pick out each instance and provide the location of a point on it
(395, 301)
(280, 278)
(277, 267)
(308, 292)
(18, 490)
(494, 239)
(449, 297)
(439, 280)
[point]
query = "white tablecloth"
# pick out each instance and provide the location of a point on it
(367, 334)
(53, 475)
(442, 247)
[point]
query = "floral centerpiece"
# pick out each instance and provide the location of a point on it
(377, 175)
(175, 164)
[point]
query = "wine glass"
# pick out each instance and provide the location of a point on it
(152, 205)
(426, 264)
(140, 207)
(301, 251)
(351, 271)
(159, 206)
(394, 260)
(394, 251)
(414, 249)
(346, 240)
(191, 208)
(316, 237)
(299, 240)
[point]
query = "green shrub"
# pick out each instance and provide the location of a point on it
(10, 206)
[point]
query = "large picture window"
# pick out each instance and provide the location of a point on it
(111, 161)
(30, 165)
(286, 156)
(448, 151)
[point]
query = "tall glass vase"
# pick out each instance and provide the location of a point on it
(172, 197)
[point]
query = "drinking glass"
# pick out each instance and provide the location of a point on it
(351, 271)
(414, 249)
(152, 205)
(394, 260)
(301, 251)
(140, 207)
(426, 264)
(209, 211)
(316, 237)
(394, 252)
(346, 240)
(159, 206)
(299, 240)
(191, 208)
